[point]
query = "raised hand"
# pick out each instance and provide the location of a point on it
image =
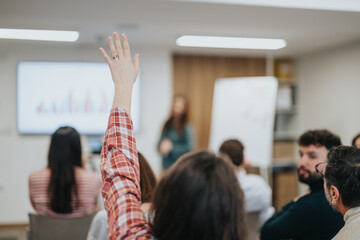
(123, 70)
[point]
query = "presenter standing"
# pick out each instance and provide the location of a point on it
(177, 137)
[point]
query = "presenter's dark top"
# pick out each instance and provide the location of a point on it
(183, 142)
(309, 218)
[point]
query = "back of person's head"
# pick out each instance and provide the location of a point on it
(147, 180)
(319, 138)
(343, 171)
(354, 141)
(234, 149)
(199, 197)
(64, 156)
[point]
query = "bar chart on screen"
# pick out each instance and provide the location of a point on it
(78, 94)
(70, 105)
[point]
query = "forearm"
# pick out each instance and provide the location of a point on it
(122, 98)
(121, 177)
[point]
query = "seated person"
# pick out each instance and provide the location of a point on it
(199, 197)
(148, 183)
(308, 216)
(356, 141)
(64, 189)
(342, 188)
(256, 190)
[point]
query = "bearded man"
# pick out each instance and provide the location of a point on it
(308, 216)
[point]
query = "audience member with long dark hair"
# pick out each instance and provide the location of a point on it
(64, 188)
(198, 198)
(177, 137)
(147, 183)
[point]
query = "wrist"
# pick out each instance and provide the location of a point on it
(119, 88)
(122, 99)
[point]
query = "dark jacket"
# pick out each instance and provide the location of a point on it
(311, 217)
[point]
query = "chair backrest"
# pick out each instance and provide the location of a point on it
(45, 228)
(99, 226)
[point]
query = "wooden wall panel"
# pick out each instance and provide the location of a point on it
(194, 77)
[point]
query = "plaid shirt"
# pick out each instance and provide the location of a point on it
(121, 180)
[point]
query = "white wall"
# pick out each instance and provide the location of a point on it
(19, 155)
(329, 96)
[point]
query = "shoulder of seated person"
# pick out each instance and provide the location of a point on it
(254, 181)
(86, 172)
(41, 172)
(311, 199)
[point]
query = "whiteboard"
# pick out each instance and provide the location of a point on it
(244, 109)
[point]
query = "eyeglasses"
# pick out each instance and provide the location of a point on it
(319, 168)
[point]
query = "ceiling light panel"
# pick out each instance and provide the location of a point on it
(230, 42)
(41, 35)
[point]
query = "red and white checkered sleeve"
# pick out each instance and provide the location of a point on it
(121, 180)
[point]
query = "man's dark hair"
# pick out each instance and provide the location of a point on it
(199, 197)
(234, 149)
(343, 171)
(319, 138)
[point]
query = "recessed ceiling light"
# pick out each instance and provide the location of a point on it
(230, 42)
(42, 35)
(332, 5)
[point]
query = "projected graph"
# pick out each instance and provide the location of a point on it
(72, 105)
(53, 94)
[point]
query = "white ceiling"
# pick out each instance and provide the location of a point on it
(157, 23)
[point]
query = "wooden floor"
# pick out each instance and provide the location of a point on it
(13, 232)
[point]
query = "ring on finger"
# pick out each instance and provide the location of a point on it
(115, 56)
